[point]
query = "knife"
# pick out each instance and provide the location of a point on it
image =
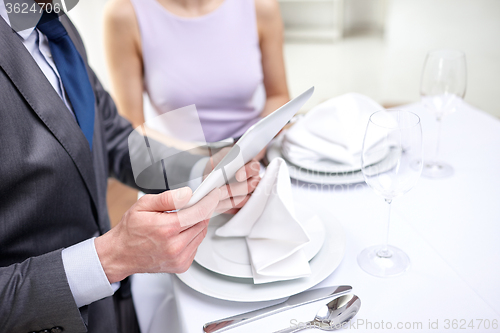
(293, 301)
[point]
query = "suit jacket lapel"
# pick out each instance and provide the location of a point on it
(25, 74)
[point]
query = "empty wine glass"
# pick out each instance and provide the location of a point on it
(443, 84)
(396, 135)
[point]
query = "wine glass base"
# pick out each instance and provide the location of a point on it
(375, 261)
(437, 170)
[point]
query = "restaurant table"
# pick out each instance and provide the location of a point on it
(450, 229)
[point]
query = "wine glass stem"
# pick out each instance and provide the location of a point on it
(438, 140)
(385, 252)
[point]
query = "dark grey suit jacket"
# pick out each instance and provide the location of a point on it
(52, 191)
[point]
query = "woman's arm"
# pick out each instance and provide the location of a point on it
(122, 44)
(270, 27)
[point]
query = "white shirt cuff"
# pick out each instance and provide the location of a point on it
(86, 277)
(196, 175)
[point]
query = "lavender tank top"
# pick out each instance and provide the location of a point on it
(212, 61)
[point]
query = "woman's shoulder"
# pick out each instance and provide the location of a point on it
(120, 21)
(267, 10)
(119, 12)
(268, 17)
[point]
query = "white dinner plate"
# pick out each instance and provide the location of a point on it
(310, 176)
(329, 166)
(244, 290)
(229, 255)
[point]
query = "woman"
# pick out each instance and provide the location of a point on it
(211, 53)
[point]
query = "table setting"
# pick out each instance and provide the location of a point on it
(247, 266)
(325, 145)
(304, 252)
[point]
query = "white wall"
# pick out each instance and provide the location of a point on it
(415, 27)
(364, 15)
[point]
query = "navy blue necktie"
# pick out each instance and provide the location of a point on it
(72, 71)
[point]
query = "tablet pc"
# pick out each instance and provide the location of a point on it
(249, 145)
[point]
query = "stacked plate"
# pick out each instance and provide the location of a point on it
(327, 171)
(222, 266)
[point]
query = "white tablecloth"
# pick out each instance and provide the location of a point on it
(450, 229)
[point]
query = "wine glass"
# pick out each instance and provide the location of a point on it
(396, 136)
(443, 84)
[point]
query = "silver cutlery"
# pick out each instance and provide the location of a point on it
(293, 301)
(332, 316)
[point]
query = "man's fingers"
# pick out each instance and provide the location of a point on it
(192, 247)
(242, 201)
(232, 211)
(166, 201)
(251, 169)
(191, 239)
(239, 189)
(199, 211)
(225, 206)
(187, 236)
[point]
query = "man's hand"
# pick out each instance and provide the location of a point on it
(149, 240)
(236, 194)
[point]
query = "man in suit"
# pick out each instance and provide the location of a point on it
(60, 139)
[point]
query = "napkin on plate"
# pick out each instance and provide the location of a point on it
(333, 130)
(275, 238)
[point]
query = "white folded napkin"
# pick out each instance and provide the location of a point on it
(275, 238)
(333, 130)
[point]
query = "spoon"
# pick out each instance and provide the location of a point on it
(331, 316)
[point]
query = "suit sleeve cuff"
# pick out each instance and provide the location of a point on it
(86, 277)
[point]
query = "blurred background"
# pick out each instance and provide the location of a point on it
(374, 47)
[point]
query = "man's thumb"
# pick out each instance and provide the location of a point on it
(168, 200)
